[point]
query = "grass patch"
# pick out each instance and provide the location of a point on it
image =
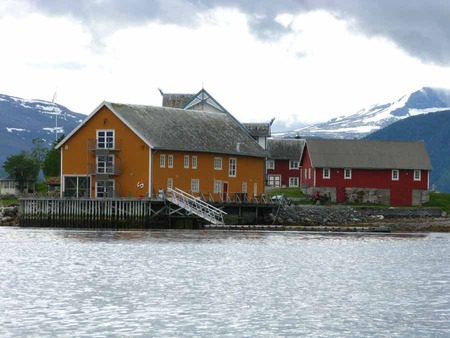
(8, 201)
(287, 192)
(439, 200)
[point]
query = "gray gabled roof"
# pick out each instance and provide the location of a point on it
(187, 130)
(258, 129)
(285, 149)
(368, 154)
(176, 100)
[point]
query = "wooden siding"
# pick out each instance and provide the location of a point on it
(133, 154)
(282, 169)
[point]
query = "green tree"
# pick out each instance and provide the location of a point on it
(52, 160)
(39, 151)
(23, 168)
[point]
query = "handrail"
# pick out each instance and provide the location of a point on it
(199, 201)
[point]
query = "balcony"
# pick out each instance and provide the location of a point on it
(110, 170)
(104, 147)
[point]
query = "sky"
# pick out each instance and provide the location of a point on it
(300, 61)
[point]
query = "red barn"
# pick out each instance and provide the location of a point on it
(283, 163)
(387, 172)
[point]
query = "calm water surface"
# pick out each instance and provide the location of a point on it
(236, 284)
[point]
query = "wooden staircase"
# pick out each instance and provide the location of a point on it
(195, 206)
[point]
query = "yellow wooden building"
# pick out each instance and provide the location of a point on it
(123, 150)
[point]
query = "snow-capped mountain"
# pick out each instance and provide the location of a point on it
(369, 120)
(23, 120)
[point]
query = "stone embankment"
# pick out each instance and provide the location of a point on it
(9, 216)
(398, 219)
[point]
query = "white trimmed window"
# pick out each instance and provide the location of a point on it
(194, 162)
(306, 173)
(162, 161)
(104, 189)
(293, 164)
(326, 173)
(217, 187)
(170, 183)
(195, 185)
(169, 161)
(293, 181)
(217, 163)
(232, 166)
(244, 187)
(417, 175)
(105, 139)
(105, 164)
(270, 164)
(395, 175)
(348, 174)
(309, 173)
(255, 189)
(186, 161)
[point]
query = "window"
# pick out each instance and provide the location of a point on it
(293, 164)
(105, 139)
(232, 167)
(77, 186)
(217, 187)
(170, 161)
(270, 164)
(104, 189)
(170, 183)
(347, 174)
(162, 161)
(293, 181)
(217, 163)
(326, 172)
(244, 187)
(395, 175)
(255, 189)
(186, 161)
(417, 175)
(306, 173)
(275, 180)
(309, 173)
(194, 162)
(105, 164)
(195, 185)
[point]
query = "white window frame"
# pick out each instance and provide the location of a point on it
(417, 175)
(271, 164)
(108, 137)
(217, 163)
(186, 161)
(106, 187)
(293, 181)
(78, 190)
(255, 189)
(217, 189)
(169, 183)
(195, 185)
(108, 167)
(349, 176)
(162, 161)
(169, 161)
(309, 173)
(194, 162)
(294, 164)
(232, 167)
(306, 173)
(395, 174)
(326, 173)
(244, 187)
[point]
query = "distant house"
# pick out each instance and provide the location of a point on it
(203, 101)
(9, 186)
(283, 162)
(388, 172)
(136, 151)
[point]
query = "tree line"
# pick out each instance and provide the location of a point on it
(25, 166)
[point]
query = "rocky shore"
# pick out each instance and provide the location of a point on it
(9, 216)
(398, 219)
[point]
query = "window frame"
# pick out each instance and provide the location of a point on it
(417, 178)
(106, 144)
(218, 163)
(169, 161)
(293, 185)
(169, 183)
(294, 167)
(162, 161)
(194, 162)
(271, 164)
(326, 173)
(232, 167)
(347, 170)
(107, 169)
(395, 175)
(106, 187)
(186, 162)
(195, 185)
(217, 184)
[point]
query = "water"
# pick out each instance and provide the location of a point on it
(235, 284)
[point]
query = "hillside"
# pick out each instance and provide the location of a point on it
(23, 120)
(374, 118)
(434, 130)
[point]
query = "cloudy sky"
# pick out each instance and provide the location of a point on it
(297, 60)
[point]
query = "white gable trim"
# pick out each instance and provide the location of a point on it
(96, 110)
